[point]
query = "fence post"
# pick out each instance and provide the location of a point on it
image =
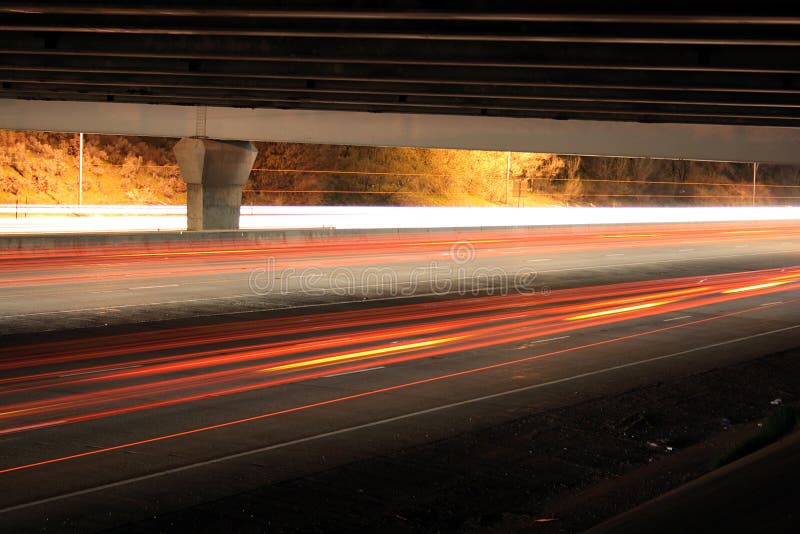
(80, 170)
(508, 174)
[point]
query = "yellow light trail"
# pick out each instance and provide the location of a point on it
(787, 277)
(663, 294)
(360, 354)
(754, 288)
(16, 411)
(618, 310)
(12, 412)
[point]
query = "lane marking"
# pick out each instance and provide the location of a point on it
(772, 303)
(616, 254)
(154, 287)
(552, 339)
(99, 371)
(536, 342)
(542, 259)
(356, 371)
(548, 339)
(380, 422)
(678, 318)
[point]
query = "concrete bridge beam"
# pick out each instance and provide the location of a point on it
(214, 172)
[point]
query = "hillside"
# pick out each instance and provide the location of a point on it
(43, 168)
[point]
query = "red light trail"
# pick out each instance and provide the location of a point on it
(370, 338)
(362, 394)
(49, 384)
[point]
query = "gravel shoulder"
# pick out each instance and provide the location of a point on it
(561, 470)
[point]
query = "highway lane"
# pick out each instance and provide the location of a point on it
(331, 414)
(57, 289)
(105, 425)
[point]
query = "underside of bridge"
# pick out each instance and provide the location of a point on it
(556, 77)
(676, 61)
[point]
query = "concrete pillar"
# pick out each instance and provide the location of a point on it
(214, 172)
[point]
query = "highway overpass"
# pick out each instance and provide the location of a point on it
(144, 375)
(671, 80)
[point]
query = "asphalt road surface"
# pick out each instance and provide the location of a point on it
(135, 382)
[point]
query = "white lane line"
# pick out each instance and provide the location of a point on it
(772, 303)
(546, 340)
(536, 342)
(542, 259)
(685, 250)
(99, 371)
(385, 421)
(549, 339)
(617, 254)
(677, 318)
(371, 424)
(154, 287)
(356, 371)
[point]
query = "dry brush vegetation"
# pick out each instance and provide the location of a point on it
(43, 168)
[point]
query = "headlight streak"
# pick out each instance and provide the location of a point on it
(615, 311)
(375, 392)
(63, 352)
(361, 354)
(478, 336)
(754, 288)
(259, 351)
(219, 357)
(60, 352)
(107, 346)
(187, 365)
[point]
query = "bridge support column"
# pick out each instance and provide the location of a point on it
(214, 172)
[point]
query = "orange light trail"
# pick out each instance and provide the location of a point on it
(64, 382)
(475, 330)
(130, 262)
(364, 394)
